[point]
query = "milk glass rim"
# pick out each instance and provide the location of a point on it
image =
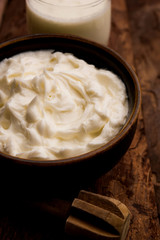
(92, 3)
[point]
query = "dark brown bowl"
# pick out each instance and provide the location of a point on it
(60, 174)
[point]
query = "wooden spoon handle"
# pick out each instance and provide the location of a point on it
(93, 216)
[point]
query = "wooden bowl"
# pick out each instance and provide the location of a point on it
(50, 175)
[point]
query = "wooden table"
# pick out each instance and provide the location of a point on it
(135, 36)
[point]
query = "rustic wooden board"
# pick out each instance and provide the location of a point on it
(144, 18)
(130, 181)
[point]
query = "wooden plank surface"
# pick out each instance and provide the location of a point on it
(130, 181)
(3, 4)
(144, 19)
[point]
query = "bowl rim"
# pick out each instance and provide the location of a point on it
(122, 133)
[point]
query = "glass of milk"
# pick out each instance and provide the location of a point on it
(90, 19)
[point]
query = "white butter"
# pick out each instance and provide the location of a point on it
(90, 19)
(53, 105)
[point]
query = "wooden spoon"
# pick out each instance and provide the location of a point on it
(90, 216)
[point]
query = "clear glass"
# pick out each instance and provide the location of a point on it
(90, 19)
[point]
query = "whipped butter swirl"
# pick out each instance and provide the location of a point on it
(54, 105)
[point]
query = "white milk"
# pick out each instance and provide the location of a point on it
(90, 19)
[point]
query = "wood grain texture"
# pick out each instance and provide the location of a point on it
(14, 21)
(144, 18)
(130, 181)
(3, 4)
